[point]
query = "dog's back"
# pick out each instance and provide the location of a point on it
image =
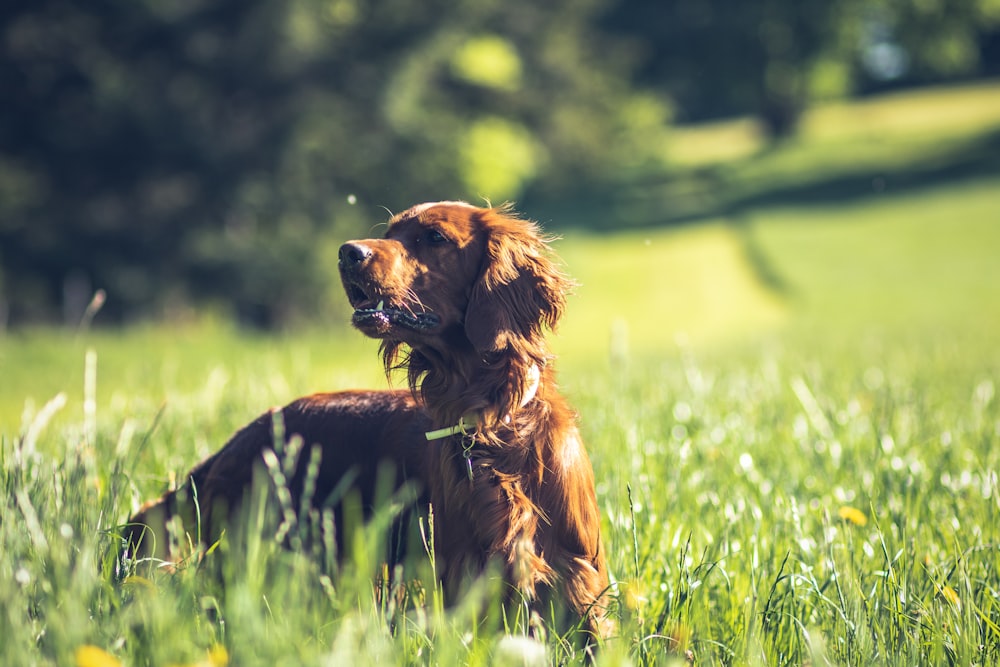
(368, 442)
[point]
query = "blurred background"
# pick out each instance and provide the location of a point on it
(183, 157)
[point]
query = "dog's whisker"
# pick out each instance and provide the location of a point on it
(415, 299)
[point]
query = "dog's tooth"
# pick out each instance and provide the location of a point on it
(380, 305)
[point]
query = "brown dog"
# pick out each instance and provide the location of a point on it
(460, 297)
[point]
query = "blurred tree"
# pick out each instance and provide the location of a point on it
(217, 150)
(772, 58)
(718, 58)
(125, 127)
(927, 41)
(214, 151)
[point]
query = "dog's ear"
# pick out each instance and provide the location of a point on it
(519, 291)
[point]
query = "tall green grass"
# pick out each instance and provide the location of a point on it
(794, 506)
(776, 505)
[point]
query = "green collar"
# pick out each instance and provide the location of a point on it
(466, 423)
(469, 421)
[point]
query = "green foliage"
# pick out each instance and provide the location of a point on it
(208, 153)
(489, 61)
(498, 157)
(777, 58)
(942, 38)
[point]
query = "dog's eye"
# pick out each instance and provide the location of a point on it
(435, 237)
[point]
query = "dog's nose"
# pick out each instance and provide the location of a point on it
(353, 254)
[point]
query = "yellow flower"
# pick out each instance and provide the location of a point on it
(853, 515)
(949, 594)
(93, 656)
(217, 656)
(634, 597)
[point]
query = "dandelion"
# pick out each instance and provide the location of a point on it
(218, 656)
(852, 515)
(94, 656)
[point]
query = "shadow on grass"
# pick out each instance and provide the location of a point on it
(968, 160)
(716, 192)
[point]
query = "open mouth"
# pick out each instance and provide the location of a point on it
(379, 317)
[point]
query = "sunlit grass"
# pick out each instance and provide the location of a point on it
(640, 291)
(715, 142)
(903, 263)
(891, 265)
(911, 119)
(933, 112)
(191, 366)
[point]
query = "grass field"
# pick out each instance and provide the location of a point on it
(792, 416)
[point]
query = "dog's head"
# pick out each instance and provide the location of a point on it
(451, 276)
